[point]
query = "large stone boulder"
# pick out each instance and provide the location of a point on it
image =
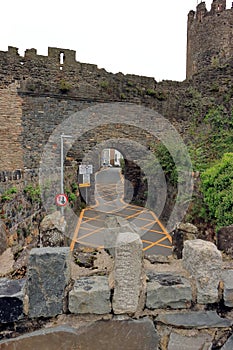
(47, 277)
(204, 262)
(51, 230)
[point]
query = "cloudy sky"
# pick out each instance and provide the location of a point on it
(129, 36)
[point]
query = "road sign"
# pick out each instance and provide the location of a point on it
(85, 169)
(61, 200)
(86, 181)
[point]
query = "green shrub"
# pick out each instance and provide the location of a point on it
(217, 187)
(104, 84)
(64, 86)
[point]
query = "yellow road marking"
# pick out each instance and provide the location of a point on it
(77, 230)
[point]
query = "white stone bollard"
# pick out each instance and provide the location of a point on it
(127, 273)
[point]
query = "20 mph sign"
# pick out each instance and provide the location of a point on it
(61, 200)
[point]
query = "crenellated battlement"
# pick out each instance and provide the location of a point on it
(209, 36)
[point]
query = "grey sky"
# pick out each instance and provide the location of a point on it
(129, 36)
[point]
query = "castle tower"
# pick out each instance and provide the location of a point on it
(209, 37)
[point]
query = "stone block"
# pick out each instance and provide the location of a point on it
(127, 273)
(11, 299)
(48, 275)
(204, 262)
(168, 290)
(229, 344)
(227, 278)
(100, 335)
(184, 232)
(194, 319)
(181, 342)
(56, 338)
(90, 295)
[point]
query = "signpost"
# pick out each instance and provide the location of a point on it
(61, 200)
(85, 171)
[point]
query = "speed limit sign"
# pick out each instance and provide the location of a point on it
(61, 200)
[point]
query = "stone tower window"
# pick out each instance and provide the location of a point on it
(62, 57)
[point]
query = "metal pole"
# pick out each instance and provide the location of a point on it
(62, 167)
(62, 171)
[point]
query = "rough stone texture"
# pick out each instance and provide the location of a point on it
(127, 273)
(11, 128)
(115, 335)
(225, 239)
(204, 262)
(194, 319)
(184, 232)
(6, 262)
(62, 338)
(90, 295)
(227, 277)
(228, 345)
(48, 274)
(11, 299)
(216, 25)
(181, 342)
(3, 239)
(168, 290)
(187, 227)
(100, 335)
(51, 230)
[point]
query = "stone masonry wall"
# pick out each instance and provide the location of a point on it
(210, 37)
(11, 154)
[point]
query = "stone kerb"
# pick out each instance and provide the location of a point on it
(47, 277)
(204, 262)
(127, 273)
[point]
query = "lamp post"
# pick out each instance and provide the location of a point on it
(62, 166)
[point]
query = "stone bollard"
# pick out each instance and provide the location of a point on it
(127, 273)
(47, 277)
(203, 261)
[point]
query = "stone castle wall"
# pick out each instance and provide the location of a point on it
(209, 37)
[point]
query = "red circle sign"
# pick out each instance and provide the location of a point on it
(61, 200)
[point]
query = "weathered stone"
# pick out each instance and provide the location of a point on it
(225, 239)
(181, 342)
(11, 299)
(3, 239)
(100, 335)
(6, 262)
(194, 319)
(48, 275)
(115, 335)
(184, 232)
(127, 273)
(90, 295)
(158, 259)
(187, 227)
(62, 337)
(167, 290)
(51, 230)
(227, 277)
(229, 344)
(204, 262)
